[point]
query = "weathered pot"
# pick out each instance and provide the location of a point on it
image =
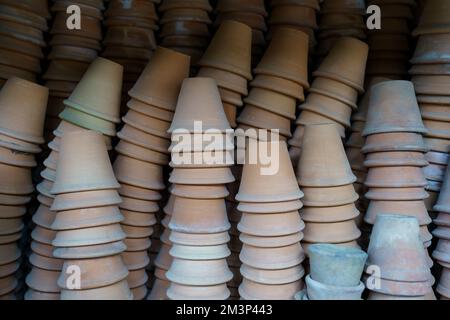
(320, 291)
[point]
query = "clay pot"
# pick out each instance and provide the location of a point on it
(86, 121)
(9, 269)
(267, 242)
(434, 112)
(200, 252)
(89, 236)
(177, 291)
(329, 214)
(85, 218)
(15, 104)
(43, 280)
(436, 43)
(443, 287)
(320, 291)
(311, 118)
(88, 199)
(269, 207)
(228, 53)
(400, 288)
(283, 86)
(440, 253)
(396, 194)
(395, 177)
(437, 129)
(256, 6)
(131, 171)
(139, 193)
(199, 273)
(150, 110)
(314, 161)
(197, 192)
(353, 64)
(185, 219)
(91, 28)
(390, 101)
(65, 127)
(140, 153)
(333, 265)
(163, 75)
(117, 291)
(392, 254)
(10, 226)
(199, 239)
(395, 141)
(15, 180)
(260, 118)
(329, 197)
(277, 61)
(433, 19)
(438, 145)
(272, 276)
(88, 252)
(255, 185)
(11, 211)
(267, 99)
(83, 42)
(139, 205)
(250, 290)
(9, 253)
(189, 108)
(202, 176)
(336, 90)
(294, 15)
(395, 159)
(281, 258)
(443, 204)
(271, 225)
(225, 79)
(334, 232)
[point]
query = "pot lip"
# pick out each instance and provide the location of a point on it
(334, 96)
(102, 129)
(338, 77)
(22, 136)
(331, 250)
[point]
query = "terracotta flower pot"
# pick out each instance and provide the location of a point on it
(87, 121)
(178, 291)
(225, 79)
(437, 129)
(201, 176)
(443, 204)
(43, 280)
(256, 6)
(395, 159)
(185, 216)
(395, 141)
(400, 97)
(434, 112)
(271, 225)
(90, 29)
(283, 86)
(199, 192)
(278, 62)
(329, 214)
(93, 251)
(320, 291)
(139, 205)
(83, 42)
(336, 90)
(140, 153)
(131, 171)
(281, 258)
(354, 63)
(329, 197)
(117, 291)
(200, 252)
(11, 211)
(10, 226)
(334, 232)
(14, 104)
(189, 107)
(229, 53)
(433, 19)
(199, 273)
(275, 277)
(65, 127)
(256, 187)
(336, 266)
(260, 118)
(312, 118)
(18, 145)
(85, 218)
(272, 101)
(15, 180)
(401, 288)
(139, 193)
(438, 145)
(9, 253)
(87, 199)
(393, 254)
(268, 242)
(269, 207)
(250, 290)
(395, 177)
(435, 43)
(150, 110)
(396, 194)
(313, 159)
(89, 236)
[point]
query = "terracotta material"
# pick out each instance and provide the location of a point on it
(335, 90)
(269, 242)
(139, 205)
(15, 180)
(85, 218)
(395, 288)
(393, 253)
(11, 211)
(431, 48)
(89, 236)
(272, 101)
(275, 277)
(274, 207)
(90, 29)
(261, 118)
(9, 269)
(278, 62)
(271, 225)
(206, 176)
(43, 280)
(150, 110)
(314, 162)
(320, 291)
(433, 19)
(294, 15)
(196, 192)
(187, 213)
(87, 199)
(139, 193)
(395, 177)
(117, 291)
(250, 290)
(189, 107)
(398, 141)
(350, 69)
(11, 226)
(93, 251)
(183, 292)
(200, 252)
(140, 153)
(136, 232)
(329, 214)
(434, 112)
(199, 273)
(335, 232)
(46, 263)
(443, 203)
(437, 129)
(65, 127)
(390, 102)
(15, 104)
(9, 253)
(87, 121)
(18, 145)
(438, 145)
(282, 257)
(228, 80)
(329, 197)
(199, 239)
(395, 159)
(396, 194)
(311, 118)
(138, 173)
(283, 86)
(256, 187)
(229, 53)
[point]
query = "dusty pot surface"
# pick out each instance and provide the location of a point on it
(200, 239)
(225, 79)
(283, 86)
(270, 242)
(117, 291)
(395, 142)
(334, 232)
(393, 194)
(85, 218)
(320, 291)
(89, 236)
(176, 291)
(282, 257)
(443, 203)
(395, 159)
(396, 248)
(201, 176)
(395, 177)
(278, 224)
(209, 252)
(15, 180)
(329, 214)
(335, 265)
(138, 173)
(330, 196)
(399, 288)
(407, 208)
(434, 19)
(272, 207)
(250, 290)
(282, 276)
(197, 192)
(86, 199)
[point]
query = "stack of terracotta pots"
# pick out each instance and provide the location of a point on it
(390, 46)
(395, 155)
(441, 253)
(89, 237)
(271, 228)
(184, 26)
(326, 179)
(143, 151)
(300, 15)
(22, 108)
(431, 81)
(199, 223)
(250, 12)
(281, 78)
(22, 27)
(335, 273)
(228, 61)
(340, 18)
(334, 91)
(130, 36)
(396, 267)
(71, 53)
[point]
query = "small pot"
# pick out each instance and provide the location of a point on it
(320, 291)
